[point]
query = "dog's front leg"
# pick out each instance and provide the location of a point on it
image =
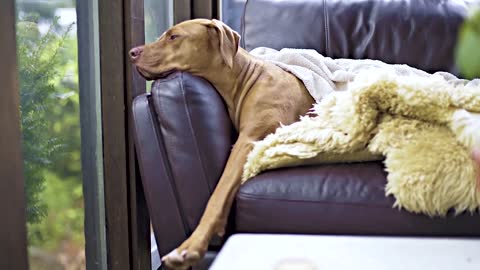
(215, 215)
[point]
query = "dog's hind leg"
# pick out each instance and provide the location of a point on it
(215, 216)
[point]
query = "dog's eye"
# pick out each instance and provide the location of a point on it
(173, 37)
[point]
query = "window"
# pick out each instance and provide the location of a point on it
(50, 123)
(158, 18)
(83, 203)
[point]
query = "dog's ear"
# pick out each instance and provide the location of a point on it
(229, 41)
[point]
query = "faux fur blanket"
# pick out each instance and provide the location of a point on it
(423, 126)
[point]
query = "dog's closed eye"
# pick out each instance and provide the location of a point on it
(173, 37)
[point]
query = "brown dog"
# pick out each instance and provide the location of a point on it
(259, 96)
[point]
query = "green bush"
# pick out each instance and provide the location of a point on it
(51, 133)
(37, 56)
(468, 47)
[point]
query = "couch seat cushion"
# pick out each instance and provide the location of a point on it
(335, 199)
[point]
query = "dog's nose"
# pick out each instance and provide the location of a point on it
(135, 53)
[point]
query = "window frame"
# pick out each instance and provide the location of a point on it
(13, 235)
(126, 223)
(91, 134)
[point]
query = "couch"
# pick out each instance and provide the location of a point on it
(183, 134)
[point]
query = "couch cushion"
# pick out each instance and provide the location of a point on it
(420, 33)
(334, 199)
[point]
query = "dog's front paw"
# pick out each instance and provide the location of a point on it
(185, 256)
(466, 127)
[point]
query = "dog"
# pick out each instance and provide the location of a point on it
(258, 96)
(210, 49)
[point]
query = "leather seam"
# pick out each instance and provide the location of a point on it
(194, 135)
(327, 29)
(168, 167)
(249, 196)
(243, 26)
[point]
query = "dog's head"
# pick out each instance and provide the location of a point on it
(189, 46)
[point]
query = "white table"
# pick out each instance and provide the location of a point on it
(302, 252)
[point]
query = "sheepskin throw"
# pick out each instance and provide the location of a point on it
(423, 127)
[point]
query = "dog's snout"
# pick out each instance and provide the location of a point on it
(135, 53)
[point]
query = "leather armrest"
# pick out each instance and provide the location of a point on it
(183, 136)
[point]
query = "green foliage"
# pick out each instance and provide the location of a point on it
(38, 56)
(51, 133)
(468, 47)
(64, 222)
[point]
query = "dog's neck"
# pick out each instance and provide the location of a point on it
(233, 84)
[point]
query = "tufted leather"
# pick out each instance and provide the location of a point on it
(335, 199)
(420, 33)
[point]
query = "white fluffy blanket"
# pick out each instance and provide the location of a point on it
(424, 127)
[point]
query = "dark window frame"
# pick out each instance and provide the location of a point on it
(91, 136)
(125, 222)
(13, 235)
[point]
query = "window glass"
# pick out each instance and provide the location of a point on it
(158, 18)
(48, 70)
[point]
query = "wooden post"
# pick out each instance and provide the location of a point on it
(13, 234)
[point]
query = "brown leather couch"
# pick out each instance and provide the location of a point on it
(184, 135)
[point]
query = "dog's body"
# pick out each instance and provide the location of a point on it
(259, 96)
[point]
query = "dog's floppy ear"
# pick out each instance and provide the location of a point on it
(229, 41)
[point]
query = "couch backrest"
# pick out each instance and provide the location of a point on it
(420, 33)
(232, 13)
